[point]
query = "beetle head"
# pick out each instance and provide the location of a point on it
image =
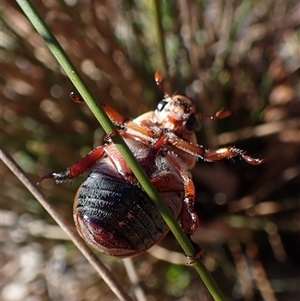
(177, 113)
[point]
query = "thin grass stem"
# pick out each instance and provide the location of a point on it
(101, 269)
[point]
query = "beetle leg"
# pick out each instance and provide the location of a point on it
(140, 132)
(228, 153)
(78, 168)
(219, 115)
(131, 128)
(212, 155)
(189, 218)
(114, 116)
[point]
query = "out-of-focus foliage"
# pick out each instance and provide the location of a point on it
(241, 55)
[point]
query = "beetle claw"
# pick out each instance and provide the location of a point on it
(48, 176)
(199, 253)
(58, 177)
(253, 161)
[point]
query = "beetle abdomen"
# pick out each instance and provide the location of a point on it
(116, 217)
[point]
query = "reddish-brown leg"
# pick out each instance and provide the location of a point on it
(219, 115)
(115, 117)
(138, 131)
(230, 152)
(189, 218)
(78, 168)
(126, 124)
(213, 154)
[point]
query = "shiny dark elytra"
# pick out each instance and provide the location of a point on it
(121, 216)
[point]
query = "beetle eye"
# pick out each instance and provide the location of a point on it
(192, 123)
(161, 105)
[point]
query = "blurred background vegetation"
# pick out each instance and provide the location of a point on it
(240, 55)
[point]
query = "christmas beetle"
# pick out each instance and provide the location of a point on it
(111, 211)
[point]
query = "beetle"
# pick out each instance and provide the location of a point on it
(111, 210)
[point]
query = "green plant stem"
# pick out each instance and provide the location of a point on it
(156, 7)
(108, 127)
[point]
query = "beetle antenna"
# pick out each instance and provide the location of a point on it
(159, 82)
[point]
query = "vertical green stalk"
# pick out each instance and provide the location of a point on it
(156, 7)
(107, 125)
